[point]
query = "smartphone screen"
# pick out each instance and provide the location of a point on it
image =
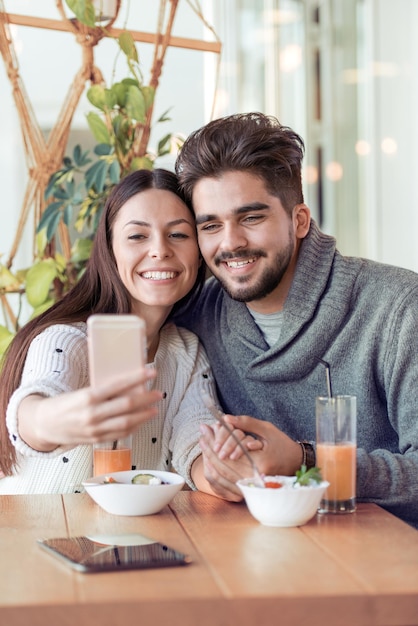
(116, 345)
(87, 554)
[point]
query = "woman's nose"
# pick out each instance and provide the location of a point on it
(159, 248)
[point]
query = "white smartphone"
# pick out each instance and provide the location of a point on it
(116, 345)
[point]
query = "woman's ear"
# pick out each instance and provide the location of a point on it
(301, 220)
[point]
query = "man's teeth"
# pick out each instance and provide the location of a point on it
(240, 263)
(158, 275)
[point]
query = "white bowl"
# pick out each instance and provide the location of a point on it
(286, 506)
(130, 499)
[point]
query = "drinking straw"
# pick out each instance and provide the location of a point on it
(328, 375)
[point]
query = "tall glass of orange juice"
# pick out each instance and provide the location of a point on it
(112, 456)
(336, 445)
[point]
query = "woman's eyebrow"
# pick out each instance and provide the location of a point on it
(181, 220)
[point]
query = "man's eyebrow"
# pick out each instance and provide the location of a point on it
(246, 208)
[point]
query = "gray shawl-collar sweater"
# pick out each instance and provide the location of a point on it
(362, 318)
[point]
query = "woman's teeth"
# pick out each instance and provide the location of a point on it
(158, 275)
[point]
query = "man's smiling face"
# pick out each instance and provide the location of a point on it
(247, 238)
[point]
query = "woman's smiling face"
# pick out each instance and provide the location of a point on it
(155, 246)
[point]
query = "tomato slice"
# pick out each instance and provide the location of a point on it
(272, 484)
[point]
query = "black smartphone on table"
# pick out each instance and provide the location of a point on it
(115, 553)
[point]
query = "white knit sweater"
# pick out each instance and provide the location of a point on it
(57, 362)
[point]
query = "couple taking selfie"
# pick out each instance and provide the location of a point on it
(280, 299)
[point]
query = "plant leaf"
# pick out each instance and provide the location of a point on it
(164, 145)
(57, 179)
(114, 172)
(68, 214)
(38, 281)
(41, 241)
(120, 90)
(5, 338)
(52, 226)
(135, 104)
(98, 128)
(81, 250)
(127, 45)
(97, 96)
(8, 281)
(50, 214)
(164, 117)
(304, 476)
(141, 163)
(103, 149)
(41, 308)
(80, 158)
(83, 10)
(96, 175)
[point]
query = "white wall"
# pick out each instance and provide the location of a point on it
(392, 100)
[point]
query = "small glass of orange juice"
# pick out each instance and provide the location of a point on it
(336, 445)
(112, 456)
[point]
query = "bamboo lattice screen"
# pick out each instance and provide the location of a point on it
(44, 155)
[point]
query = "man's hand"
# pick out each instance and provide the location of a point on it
(272, 451)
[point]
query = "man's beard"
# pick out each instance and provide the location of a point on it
(268, 281)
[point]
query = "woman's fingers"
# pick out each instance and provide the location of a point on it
(120, 414)
(135, 381)
(228, 443)
(92, 415)
(222, 474)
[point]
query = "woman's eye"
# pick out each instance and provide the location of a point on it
(179, 236)
(136, 236)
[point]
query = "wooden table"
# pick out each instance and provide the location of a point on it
(355, 570)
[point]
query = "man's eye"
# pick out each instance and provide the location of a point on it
(253, 218)
(209, 227)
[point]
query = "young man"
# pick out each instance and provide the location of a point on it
(281, 300)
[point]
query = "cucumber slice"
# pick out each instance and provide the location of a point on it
(146, 479)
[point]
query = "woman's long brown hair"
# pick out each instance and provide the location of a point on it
(99, 290)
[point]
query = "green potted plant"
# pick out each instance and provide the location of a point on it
(120, 122)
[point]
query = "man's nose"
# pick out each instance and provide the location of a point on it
(233, 238)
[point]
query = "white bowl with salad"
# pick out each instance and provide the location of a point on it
(284, 500)
(134, 492)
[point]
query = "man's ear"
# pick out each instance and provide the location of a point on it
(301, 220)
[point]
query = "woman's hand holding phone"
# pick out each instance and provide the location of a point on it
(89, 415)
(116, 403)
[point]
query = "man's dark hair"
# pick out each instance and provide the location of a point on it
(246, 142)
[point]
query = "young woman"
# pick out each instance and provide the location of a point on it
(145, 260)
